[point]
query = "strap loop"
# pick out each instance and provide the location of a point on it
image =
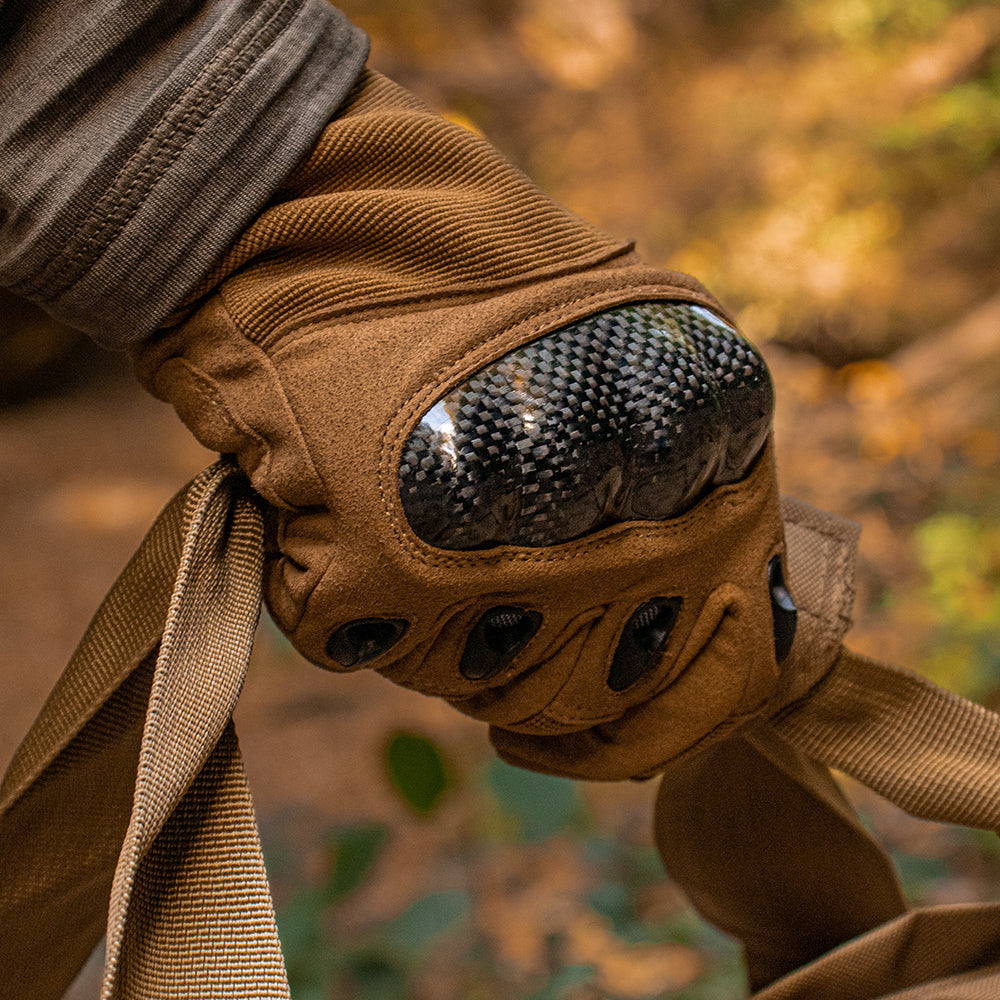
(927, 750)
(135, 747)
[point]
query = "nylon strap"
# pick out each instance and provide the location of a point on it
(131, 782)
(932, 753)
(938, 953)
(937, 756)
(764, 845)
(929, 751)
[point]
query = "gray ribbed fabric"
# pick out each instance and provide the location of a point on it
(139, 138)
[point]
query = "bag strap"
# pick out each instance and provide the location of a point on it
(135, 755)
(756, 834)
(759, 838)
(136, 748)
(931, 752)
(927, 750)
(937, 756)
(947, 952)
(766, 848)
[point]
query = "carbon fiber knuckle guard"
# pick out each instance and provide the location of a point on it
(632, 414)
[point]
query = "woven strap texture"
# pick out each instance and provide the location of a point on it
(939, 953)
(938, 757)
(756, 833)
(131, 784)
(765, 847)
(929, 751)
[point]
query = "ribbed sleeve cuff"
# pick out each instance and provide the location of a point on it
(113, 214)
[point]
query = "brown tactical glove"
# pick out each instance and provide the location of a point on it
(507, 463)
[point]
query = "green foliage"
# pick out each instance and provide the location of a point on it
(917, 875)
(353, 852)
(960, 557)
(417, 770)
(377, 965)
(626, 869)
(409, 937)
(314, 963)
(861, 23)
(383, 965)
(374, 978)
(560, 984)
(961, 123)
(724, 978)
(309, 963)
(539, 804)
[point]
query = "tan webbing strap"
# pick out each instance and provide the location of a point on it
(763, 844)
(929, 751)
(190, 912)
(66, 798)
(756, 834)
(822, 551)
(195, 917)
(200, 923)
(937, 756)
(939, 953)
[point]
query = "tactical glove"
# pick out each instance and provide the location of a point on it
(508, 463)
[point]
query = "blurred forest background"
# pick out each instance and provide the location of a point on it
(830, 169)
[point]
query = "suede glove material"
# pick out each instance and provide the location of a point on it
(402, 256)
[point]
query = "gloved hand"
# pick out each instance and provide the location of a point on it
(507, 463)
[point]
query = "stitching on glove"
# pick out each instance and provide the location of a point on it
(526, 330)
(483, 694)
(717, 605)
(208, 390)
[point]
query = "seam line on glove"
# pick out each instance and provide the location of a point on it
(527, 330)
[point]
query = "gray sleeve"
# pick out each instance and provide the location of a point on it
(139, 138)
